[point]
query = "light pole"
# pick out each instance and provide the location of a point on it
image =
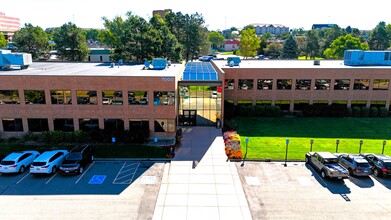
(361, 142)
(245, 155)
(336, 146)
(311, 142)
(286, 150)
(384, 144)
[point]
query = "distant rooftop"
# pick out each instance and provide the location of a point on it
(92, 69)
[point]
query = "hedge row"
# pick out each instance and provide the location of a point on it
(342, 111)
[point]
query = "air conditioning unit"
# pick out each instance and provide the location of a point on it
(9, 60)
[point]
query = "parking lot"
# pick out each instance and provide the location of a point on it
(106, 189)
(298, 192)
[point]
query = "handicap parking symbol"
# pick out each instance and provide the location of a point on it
(97, 179)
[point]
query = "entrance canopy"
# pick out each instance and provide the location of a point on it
(199, 71)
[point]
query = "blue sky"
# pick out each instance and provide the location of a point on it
(217, 14)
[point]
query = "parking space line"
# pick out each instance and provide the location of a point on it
(23, 178)
(127, 170)
(81, 176)
(51, 178)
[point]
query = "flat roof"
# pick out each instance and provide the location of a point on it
(293, 64)
(92, 69)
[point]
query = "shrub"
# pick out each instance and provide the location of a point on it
(374, 112)
(29, 137)
(349, 112)
(365, 112)
(13, 140)
(356, 111)
(383, 112)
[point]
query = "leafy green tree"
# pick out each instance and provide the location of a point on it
(274, 50)
(114, 36)
(262, 46)
(312, 46)
(3, 41)
(249, 43)
(342, 43)
(327, 36)
(290, 49)
(92, 34)
(32, 39)
(71, 43)
(217, 39)
(378, 39)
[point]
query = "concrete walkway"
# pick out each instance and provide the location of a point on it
(199, 183)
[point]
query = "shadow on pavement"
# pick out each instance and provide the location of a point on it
(385, 181)
(362, 181)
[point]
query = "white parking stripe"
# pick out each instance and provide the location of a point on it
(23, 178)
(131, 169)
(51, 178)
(81, 176)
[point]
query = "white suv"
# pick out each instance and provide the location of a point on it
(48, 162)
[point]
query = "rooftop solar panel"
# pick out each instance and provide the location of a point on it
(199, 71)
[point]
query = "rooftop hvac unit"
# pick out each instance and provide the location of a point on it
(9, 60)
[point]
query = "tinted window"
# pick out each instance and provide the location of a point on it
(23, 157)
(363, 165)
(387, 164)
(7, 162)
(39, 163)
(74, 156)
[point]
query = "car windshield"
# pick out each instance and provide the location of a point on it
(7, 162)
(74, 156)
(387, 164)
(39, 163)
(330, 161)
(363, 165)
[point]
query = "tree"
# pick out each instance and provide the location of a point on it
(262, 46)
(327, 36)
(274, 50)
(378, 39)
(312, 46)
(71, 43)
(32, 39)
(290, 49)
(3, 41)
(249, 43)
(92, 34)
(342, 43)
(216, 39)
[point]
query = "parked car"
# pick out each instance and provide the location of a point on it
(144, 101)
(18, 162)
(380, 164)
(356, 164)
(107, 101)
(77, 160)
(206, 58)
(156, 101)
(48, 162)
(214, 95)
(327, 164)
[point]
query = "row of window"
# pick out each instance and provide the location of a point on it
(305, 84)
(298, 104)
(87, 97)
(67, 124)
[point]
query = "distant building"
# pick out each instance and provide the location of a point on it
(231, 45)
(270, 28)
(99, 55)
(8, 25)
(161, 13)
(322, 26)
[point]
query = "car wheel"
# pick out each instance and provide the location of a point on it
(323, 174)
(307, 160)
(21, 170)
(376, 172)
(350, 171)
(54, 170)
(81, 170)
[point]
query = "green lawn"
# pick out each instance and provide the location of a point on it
(227, 53)
(101, 150)
(267, 136)
(308, 58)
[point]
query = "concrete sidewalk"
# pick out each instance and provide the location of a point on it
(199, 183)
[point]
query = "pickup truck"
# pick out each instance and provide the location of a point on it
(327, 164)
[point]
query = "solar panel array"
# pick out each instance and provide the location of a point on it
(199, 71)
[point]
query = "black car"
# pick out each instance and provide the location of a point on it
(380, 164)
(77, 160)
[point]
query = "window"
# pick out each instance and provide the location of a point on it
(60, 97)
(138, 97)
(9, 97)
(12, 124)
(111, 97)
(87, 124)
(245, 84)
(301, 104)
(86, 97)
(138, 123)
(63, 124)
(378, 104)
(245, 102)
(38, 124)
(283, 104)
(229, 84)
(358, 103)
(265, 84)
(303, 84)
(284, 84)
(164, 125)
(34, 96)
(114, 124)
(380, 84)
(164, 98)
(341, 84)
(361, 84)
(264, 102)
(322, 84)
